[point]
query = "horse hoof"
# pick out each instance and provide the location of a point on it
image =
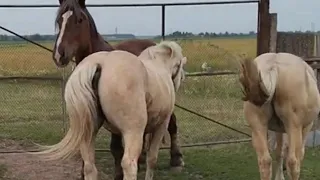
(177, 162)
(176, 169)
(118, 177)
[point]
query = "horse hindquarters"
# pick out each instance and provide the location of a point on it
(298, 114)
(125, 109)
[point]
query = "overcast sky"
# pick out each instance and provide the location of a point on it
(292, 15)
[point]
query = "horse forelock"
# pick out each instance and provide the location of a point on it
(74, 6)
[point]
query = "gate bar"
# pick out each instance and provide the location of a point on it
(133, 5)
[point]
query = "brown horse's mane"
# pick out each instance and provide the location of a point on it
(73, 5)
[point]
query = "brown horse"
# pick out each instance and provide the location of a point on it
(78, 31)
(281, 95)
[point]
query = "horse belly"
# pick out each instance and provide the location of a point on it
(275, 124)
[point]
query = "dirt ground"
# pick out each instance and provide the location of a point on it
(22, 166)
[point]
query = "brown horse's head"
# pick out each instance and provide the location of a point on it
(76, 28)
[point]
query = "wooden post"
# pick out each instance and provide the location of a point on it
(263, 27)
(273, 48)
(273, 32)
(317, 74)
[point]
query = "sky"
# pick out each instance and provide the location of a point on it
(292, 15)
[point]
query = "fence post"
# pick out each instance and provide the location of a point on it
(316, 53)
(273, 32)
(63, 104)
(273, 48)
(163, 22)
(263, 27)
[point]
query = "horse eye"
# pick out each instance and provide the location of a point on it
(80, 20)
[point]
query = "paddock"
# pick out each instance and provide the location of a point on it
(212, 129)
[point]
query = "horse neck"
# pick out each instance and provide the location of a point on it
(97, 44)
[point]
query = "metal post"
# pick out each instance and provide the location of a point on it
(163, 20)
(63, 104)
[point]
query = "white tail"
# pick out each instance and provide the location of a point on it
(81, 108)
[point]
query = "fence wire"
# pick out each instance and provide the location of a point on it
(46, 121)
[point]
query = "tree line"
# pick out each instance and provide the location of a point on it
(176, 34)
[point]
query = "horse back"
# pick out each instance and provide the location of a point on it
(134, 46)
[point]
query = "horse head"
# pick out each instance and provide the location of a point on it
(75, 29)
(170, 53)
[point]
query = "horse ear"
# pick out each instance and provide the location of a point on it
(82, 3)
(166, 49)
(61, 1)
(184, 60)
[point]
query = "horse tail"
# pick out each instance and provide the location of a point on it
(258, 86)
(81, 106)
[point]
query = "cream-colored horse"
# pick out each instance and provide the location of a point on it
(136, 96)
(281, 95)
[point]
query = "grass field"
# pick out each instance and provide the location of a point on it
(31, 110)
(27, 59)
(34, 107)
(225, 162)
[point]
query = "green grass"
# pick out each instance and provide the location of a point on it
(225, 162)
(32, 110)
(3, 170)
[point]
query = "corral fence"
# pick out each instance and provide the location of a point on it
(32, 97)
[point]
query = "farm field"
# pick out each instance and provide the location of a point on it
(30, 60)
(32, 108)
(31, 111)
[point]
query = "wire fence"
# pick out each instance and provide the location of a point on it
(33, 108)
(209, 107)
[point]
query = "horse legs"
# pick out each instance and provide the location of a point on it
(176, 161)
(153, 151)
(296, 139)
(142, 157)
(133, 141)
(117, 153)
(87, 151)
(279, 153)
(258, 122)
(89, 168)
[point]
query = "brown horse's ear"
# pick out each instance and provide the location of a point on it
(82, 3)
(61, 1)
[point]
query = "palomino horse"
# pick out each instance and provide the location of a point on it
(280, 94)
(78, 31)
(136, 95)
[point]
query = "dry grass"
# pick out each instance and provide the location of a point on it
(27, 59)
(32, 109)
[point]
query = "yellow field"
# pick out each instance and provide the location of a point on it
(28, 59)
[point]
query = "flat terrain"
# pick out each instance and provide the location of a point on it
(32, 112)
(223, 162)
